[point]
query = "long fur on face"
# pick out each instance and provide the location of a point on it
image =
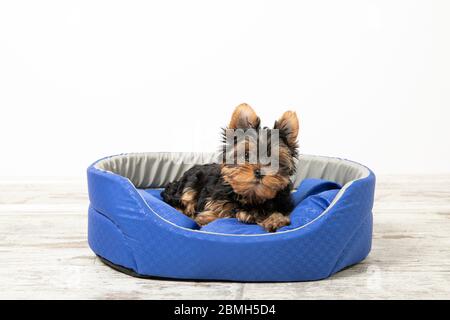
(241, 177)
(253, 190)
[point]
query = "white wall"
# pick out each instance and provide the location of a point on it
(80, 80)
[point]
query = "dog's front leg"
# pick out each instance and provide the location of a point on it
(275, 221)
(246, 217)
(205, 217)
(215, 209)
(189, 201)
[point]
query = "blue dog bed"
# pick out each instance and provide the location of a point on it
(133, 230)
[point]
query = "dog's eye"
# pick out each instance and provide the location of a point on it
(247, 156)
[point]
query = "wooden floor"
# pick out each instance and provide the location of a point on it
(44, 252)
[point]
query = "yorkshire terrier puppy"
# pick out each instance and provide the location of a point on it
(251, 190)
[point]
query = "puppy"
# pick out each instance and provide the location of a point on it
(245, 185)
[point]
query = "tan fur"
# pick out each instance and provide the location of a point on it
(222, 208)
(275, 221)
(289, 123)
(188, 199)
(286, 158)
(205, 217)
(253, 191)
(215, 209)
(246, 217)
(243, 117)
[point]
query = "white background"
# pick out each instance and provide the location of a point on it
(79, 80)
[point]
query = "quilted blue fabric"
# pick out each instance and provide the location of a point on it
(154, 192)
(129, 230)
(308, 207)
(312, 186)
(153, 199)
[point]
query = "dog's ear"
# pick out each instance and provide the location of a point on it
(288, 126)
(244, 117)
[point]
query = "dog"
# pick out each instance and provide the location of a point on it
(251, 191)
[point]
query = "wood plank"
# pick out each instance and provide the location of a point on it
(47, 256)
(44, 252)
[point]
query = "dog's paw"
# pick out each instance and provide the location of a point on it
(188, 199)
(275, 221)
(189, 210)
(245, 217)
(205, 217)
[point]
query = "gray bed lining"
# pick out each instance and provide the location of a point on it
(157, 169)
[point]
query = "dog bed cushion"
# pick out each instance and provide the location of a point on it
(153, 199)
(310, 200)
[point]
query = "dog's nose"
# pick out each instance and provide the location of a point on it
(258, 174)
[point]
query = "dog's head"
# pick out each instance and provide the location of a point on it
(258, 162)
